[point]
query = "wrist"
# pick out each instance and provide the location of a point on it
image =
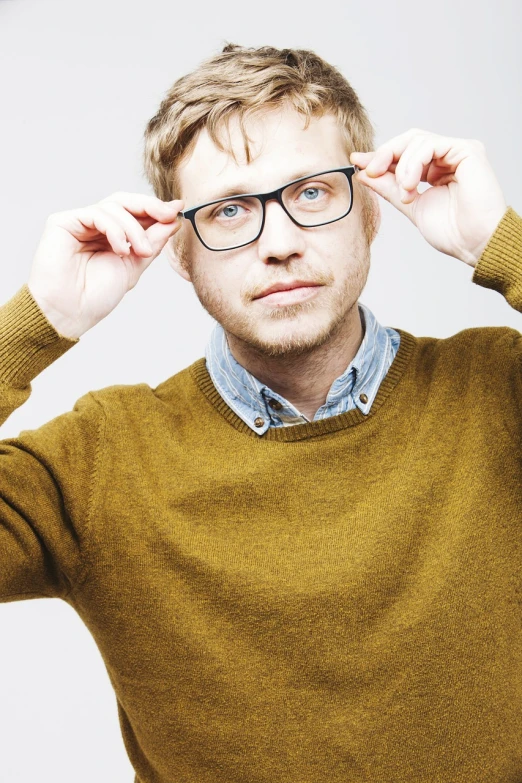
(60, 323)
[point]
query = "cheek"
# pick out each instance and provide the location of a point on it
(222, 278)
(347, 239)
(213, 287)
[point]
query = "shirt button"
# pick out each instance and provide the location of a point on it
(275, 404)
(259, 421)
(363, 398)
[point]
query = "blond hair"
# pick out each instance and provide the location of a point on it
(239, 82)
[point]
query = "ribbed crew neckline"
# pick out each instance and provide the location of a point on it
(201, 377)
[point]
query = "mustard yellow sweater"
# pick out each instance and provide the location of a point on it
(336, 602)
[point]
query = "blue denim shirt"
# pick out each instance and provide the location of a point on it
(252, 400)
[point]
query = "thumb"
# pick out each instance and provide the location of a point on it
(385, 185)
(159, 233)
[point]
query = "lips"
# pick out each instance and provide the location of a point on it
(287, 287)
(290, 296)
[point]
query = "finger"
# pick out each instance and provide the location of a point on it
(134, 232)
(416, 160)
(445, 150)
(387, 187)
(410, 166)
(363, 159)
(158, 236)
(95, 220)
(389, 153)
(159, 233)
(144, 205)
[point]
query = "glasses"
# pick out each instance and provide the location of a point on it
(236, 221)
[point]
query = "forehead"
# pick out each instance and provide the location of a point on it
(281, 148)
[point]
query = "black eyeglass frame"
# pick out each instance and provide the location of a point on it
(190, 214)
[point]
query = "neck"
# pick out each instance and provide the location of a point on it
(306, 379)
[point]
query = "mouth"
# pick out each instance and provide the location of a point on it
(289, 295)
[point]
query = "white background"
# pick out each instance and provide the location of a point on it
(78, 83)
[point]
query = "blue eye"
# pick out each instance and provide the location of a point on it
(230, 211)
(311, 193)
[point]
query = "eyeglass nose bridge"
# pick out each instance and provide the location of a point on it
(275, 195)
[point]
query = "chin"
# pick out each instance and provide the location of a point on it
(286, 331)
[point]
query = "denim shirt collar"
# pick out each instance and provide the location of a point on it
(254, 402)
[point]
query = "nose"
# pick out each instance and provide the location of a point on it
(281, 238)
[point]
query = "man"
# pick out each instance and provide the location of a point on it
(300, 557)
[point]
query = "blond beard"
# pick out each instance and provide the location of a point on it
(290, 344)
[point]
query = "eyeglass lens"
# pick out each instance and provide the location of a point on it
(312, 202)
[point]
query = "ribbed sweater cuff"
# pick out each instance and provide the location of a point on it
(28, 341)
(500, 265)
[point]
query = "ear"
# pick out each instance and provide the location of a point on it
(172, 251)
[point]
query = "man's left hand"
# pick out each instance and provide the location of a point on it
(459, 214)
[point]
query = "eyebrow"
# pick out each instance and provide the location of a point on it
(240, 189)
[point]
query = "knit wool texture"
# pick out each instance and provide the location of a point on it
(336, 602)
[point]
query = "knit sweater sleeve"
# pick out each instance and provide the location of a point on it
(500, 268)
(47, 475)
(500, 265)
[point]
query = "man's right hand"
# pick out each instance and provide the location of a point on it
(84, 265)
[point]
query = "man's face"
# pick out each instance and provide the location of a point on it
(334, 258)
